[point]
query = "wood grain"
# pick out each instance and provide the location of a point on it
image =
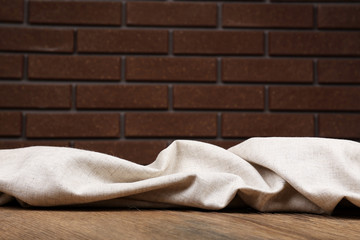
(18, 223)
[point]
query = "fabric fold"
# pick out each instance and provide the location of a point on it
(268, 174)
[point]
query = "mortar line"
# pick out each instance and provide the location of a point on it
(219, 16)
(218, 71)
(175, 28)
(191, 55)
(75, 52)
(315, 16)
(123, 14)
(316, 124)
(122, 126)
(23, 127)
(185, 111)
(73, 98)
(218, 127)
(123, 70)
(174, 83)
(266, 44)
(26, 15)
(170, 43)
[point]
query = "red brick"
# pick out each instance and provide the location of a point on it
(69, 125)
(218, 42)
(315, 43)
(339, 125)
(339, 71)
(267, 70)
(21, 144)
(35, 96)
(10, 124)
(218, 97)
(267, 125)
(315, 98)
(171, 14)
(11, 66)
(36, 39)
(122, 41)
(266, 15)
(75, 67)
(121, 97)
(171, 69)
(339, 16)
(170, 125)
(141, 152)
(11, 10)
(83, 13)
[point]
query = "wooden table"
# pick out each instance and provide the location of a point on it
(18, 223)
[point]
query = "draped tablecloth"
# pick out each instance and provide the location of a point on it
(268, 174)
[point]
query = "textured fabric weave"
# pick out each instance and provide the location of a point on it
(268, 174)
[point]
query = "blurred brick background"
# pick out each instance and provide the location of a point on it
(128, 77)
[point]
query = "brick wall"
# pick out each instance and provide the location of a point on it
(128, 77)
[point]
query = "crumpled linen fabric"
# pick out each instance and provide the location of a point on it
(269, 174)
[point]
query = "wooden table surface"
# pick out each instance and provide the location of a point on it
(18, 223)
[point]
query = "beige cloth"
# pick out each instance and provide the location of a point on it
(268, 174)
